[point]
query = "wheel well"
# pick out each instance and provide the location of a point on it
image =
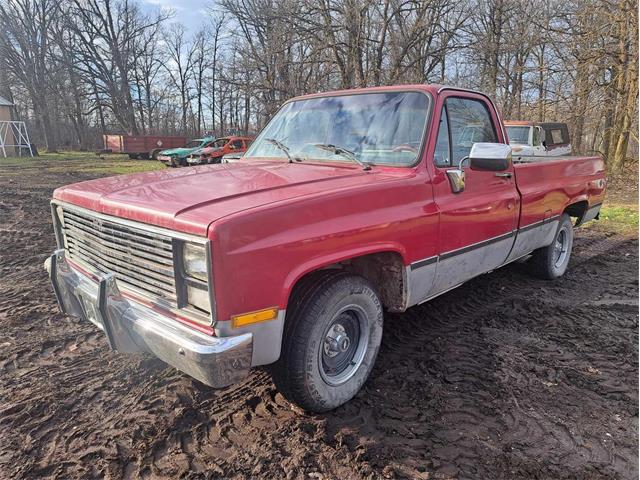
(385, 271)
(577, 210)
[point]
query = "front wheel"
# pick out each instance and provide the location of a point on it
(331, 340)
(551, 261)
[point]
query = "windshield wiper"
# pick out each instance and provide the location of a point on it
(343, 152)
(281, 146)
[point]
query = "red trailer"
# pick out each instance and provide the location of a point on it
(141, 146)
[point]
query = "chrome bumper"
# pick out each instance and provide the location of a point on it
(132, 328)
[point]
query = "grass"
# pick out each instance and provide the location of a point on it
(82, 162)
(620, 218)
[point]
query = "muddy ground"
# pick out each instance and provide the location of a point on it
(507, 377)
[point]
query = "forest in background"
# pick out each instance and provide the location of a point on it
(76, 69)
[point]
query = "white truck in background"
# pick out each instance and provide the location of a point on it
(538, 139)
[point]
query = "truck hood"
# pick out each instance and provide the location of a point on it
(189, 199)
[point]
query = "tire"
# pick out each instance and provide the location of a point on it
(332, 335)
(154, 153)
(551, 262)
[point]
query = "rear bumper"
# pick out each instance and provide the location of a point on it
(592, 213)
(132, 328)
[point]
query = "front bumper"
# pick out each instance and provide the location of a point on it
(131, 327)
(170, 161)
(195, 160)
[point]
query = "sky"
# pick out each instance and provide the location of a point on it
(191, 13)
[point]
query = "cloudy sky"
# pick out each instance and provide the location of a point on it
(191, 13)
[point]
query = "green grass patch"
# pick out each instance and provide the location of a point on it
(617, 217)
(81, 162)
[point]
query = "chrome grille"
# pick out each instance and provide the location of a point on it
(139, 258)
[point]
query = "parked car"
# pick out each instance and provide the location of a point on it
(347, 204)
(141, 146)
(535, 139)
(177, 157)
(214, 152)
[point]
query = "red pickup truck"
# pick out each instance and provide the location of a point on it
(348, 204)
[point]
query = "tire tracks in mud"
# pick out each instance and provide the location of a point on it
(505, 377)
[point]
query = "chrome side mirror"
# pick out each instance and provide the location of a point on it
(492, 157)
(456, 177)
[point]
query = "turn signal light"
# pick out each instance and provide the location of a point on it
(254, 317)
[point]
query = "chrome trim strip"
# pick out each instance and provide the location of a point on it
(484, 243)
(452, 253)
(531, 225)
(424, 263)
(538, 223)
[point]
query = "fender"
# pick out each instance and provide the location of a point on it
(334, 257)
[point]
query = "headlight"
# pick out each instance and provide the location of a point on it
(195, 261)
(199, 298)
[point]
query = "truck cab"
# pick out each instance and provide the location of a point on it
(347, 205)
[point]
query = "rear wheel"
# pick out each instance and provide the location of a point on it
(551, 262)
(331, 340)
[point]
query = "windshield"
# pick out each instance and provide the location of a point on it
(194, 144)
(518, 135)
(379, 128)
(221, 142)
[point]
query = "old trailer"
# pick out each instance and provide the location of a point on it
(141, 146)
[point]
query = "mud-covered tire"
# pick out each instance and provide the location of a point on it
(307, 374)
(551, 261)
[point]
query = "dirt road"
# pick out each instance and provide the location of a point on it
(507, 377)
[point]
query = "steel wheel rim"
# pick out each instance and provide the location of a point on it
(343, 345)
(561, 248)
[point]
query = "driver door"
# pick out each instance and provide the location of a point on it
(477, 225)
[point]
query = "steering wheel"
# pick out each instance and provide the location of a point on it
(405, 147)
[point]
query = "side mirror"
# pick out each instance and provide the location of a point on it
(491, 157)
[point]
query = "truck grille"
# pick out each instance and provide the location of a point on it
(139, 258)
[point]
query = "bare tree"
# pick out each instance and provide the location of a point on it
(26, 48)
(108, 32)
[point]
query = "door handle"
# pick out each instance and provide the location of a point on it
(504, 175)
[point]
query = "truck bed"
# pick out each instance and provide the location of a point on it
(541, 159)
(548, 184)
